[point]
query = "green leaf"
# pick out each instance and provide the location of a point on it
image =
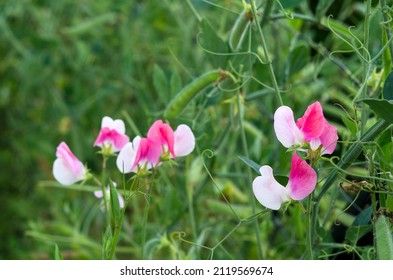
(107, 240)
(175, 84)
(57, 254)
(251, 163)
(385, 155)
(160, 83)
(298, 58)
(364, 217)
(383, 238)
(213, 45)
(354, 233)
(350, 125)
(388, 87)
(383, 108)
(114, 202)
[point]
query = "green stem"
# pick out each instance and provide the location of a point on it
(387, 26)
(352, 154)
(145, 217)
(249, 177)
(309, 234)
(266, 52)
(119, 223)
(190, 195)
(348, 158)
(365, 64)
(103, 189)
(116, 234)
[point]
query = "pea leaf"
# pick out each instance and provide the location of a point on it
(214, 45)
(383, 108)
(160, 83)
(115, 204)
(388, 87)
(57, 254)
(251, 163)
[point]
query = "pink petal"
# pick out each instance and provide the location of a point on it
(285, 127)
(329, 139)
(184, 142)
(312, 122)
(148, 152)
(67, 168)
(268, 191)
(302, 178)
(112, 137)
(112, 133)
(163, 135)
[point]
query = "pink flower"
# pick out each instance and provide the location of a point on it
(180, 142)
(302, 181)
(161, 143)
(141, 153)
(112, 135)
(312, 129)
(162, 134)
(67, 169)
(99, 194)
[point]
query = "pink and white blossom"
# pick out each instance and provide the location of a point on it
(162, 134)
(312, 129)
(178, 143)
(301, 183)
(112, 135)
(67, 168)
(161, 143)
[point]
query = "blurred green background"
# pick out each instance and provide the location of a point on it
(65, 64)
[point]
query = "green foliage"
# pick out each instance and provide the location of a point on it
(66, 64)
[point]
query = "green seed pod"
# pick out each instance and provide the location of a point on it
(181, 100)
(239, 30)
(383, 238)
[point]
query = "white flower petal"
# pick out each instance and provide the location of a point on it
(106, 122)
(98, 194)
(65, 175)
(126, 158)
(119, 126)
(184, 140)
(285, 127)
(268, 191)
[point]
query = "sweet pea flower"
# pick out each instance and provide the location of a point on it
(67, 169)
(161, 143)
(112, 136)
(301, 183)
(99, 194)
(141, 153)
(311, 129)
(180, 142)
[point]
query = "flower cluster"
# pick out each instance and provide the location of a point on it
(311, 134)
(161, 144)
(143, 153)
